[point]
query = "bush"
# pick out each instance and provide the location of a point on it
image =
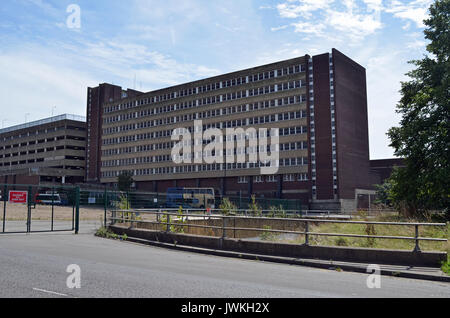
(174, 228)
(255, 210)
(277, 212)
(227, 207)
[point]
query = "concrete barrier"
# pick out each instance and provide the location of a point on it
(344, 254)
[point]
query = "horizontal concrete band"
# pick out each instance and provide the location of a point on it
(345, 254)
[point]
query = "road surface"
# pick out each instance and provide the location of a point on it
(35, 266)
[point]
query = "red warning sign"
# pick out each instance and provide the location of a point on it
(18, 196)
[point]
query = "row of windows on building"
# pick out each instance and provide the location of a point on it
(212, 114)
(39, 142)
(40, 150)
(180, 169)
(294, 69)
(206, 101)
(274, 178)
(38, 132)
(207, 155)
(288, 131)
(240, 123)
(81, 160)
(300, 145)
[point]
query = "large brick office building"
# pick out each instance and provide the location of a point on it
(46, 152)
(319, 104)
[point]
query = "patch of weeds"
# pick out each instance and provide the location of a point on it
(446, 266)
(107, 233)
(341, 241)
(266, 235)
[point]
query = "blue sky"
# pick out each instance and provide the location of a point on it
(162, 43)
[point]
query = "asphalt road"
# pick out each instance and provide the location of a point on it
(35, 266)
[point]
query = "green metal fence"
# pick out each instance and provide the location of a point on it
(150, 200)
(264, 203)
(38, 208)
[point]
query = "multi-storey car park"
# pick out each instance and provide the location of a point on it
(47, 151)
(319, 105)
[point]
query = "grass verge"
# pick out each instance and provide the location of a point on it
(378, 230)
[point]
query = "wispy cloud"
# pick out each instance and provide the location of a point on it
(415, 11)
(302, 8)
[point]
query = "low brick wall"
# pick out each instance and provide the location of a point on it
(345, 254)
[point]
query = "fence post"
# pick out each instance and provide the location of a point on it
(105, 198)
(168, 222)
(223, 227)
(5, 196)
(417, 248)
(29, 211)
(77, 210)
(306, 233)
(53, 205)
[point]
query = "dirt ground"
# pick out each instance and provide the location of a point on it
(18, 212)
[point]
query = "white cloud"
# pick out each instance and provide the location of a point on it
(356, 25)
(374, 5)
(59, 75)
(282, 27)
(415, 11)
(301, 8)
(354, 20)
(309, 28)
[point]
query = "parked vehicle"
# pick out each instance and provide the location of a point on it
(190, 198)
(49, 199)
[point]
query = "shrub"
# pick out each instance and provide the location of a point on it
(277, 212)
(255, 210)
(227, 207)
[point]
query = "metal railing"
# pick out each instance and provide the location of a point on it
(174, 218)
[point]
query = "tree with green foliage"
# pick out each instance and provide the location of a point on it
(383, 194)
(124, 181)
(423, 136)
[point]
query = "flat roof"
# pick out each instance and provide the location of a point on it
(43, 121)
